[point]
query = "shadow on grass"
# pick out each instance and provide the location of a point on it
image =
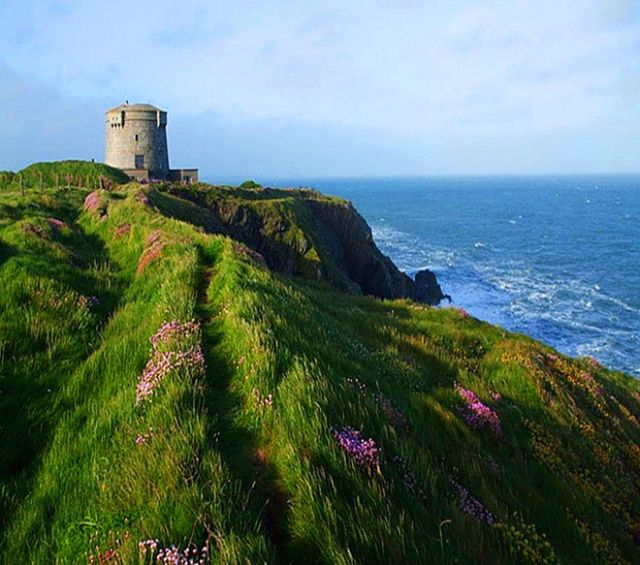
(32, 379)
(238, 445)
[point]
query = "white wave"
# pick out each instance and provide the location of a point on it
(571, 314)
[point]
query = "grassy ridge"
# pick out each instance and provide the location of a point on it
(243, 457)
(61, 174)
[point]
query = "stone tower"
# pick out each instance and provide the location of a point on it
(136, 140)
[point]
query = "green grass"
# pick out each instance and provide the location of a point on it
(61, 174)
(243, 457)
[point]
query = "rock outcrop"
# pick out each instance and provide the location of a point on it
(427, 288)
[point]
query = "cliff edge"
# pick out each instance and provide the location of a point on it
(305, 233)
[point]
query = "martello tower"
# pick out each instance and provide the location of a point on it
(136, 140)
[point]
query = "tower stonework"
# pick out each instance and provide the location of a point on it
(136, 140)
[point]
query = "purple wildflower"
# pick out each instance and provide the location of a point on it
(175, 330)
(471, 505)
(496, 396)
(477, 414)
(365, 452)
(393, 414)
(408, 478)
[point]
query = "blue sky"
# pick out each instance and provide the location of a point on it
(331, 88)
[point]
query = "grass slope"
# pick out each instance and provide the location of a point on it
(242, 457)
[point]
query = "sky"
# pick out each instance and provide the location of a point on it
(330, 88)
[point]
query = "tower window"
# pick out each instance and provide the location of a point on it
(139, 162)
(136, 137)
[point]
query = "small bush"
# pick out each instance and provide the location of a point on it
(250, 184)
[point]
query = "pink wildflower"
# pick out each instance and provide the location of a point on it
(393, 414)
(471, 505)
(154, 236)
(477, 414)
(123, 229)
(594, 362)
(175, 330)
(162, 364)
(92, 201)
(143, 438)
(56, 224)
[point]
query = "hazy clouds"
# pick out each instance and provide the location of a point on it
(331, 88)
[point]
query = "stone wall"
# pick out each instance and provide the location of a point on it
(183, 175)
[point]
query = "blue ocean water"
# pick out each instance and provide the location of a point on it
(557, 258)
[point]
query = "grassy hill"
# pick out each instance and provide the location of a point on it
(164, 387)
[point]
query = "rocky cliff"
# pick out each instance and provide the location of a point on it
(304, 233)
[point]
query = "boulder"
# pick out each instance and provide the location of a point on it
(427, 289)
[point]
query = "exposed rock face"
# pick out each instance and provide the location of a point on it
(304, 233)
(427, 288)
(354, 252)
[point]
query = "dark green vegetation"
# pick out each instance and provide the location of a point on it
(242, 456)
(250, 184)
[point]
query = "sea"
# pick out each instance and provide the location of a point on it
(554, 257)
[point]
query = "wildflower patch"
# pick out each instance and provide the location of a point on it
(152, 549)
(174, 347)
(477, 414)
(149, 255)
(364, 452)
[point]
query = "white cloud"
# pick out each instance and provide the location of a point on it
(427, 74)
